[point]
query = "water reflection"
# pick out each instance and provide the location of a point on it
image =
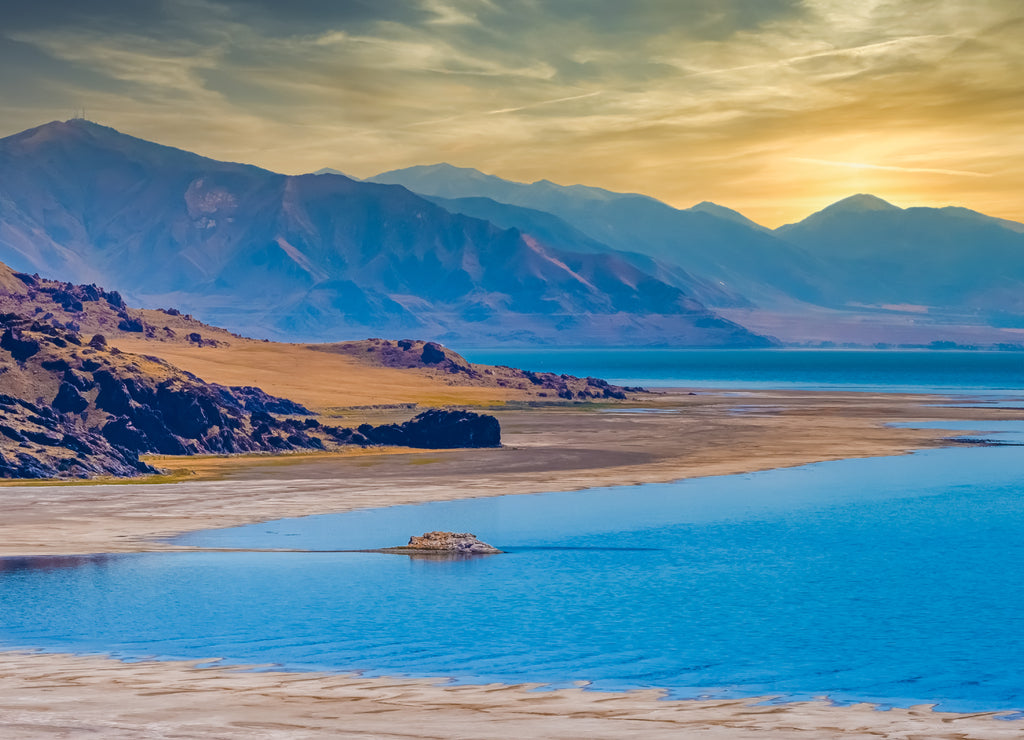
(54, 562)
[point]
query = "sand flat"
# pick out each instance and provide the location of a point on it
(45, 696)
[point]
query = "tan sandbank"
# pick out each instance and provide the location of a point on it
(48, 696)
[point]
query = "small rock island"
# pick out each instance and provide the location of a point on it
(445, 543)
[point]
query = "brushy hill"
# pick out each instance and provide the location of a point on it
(167, 333)
(440, 361)
(72, 404)
(76, 408)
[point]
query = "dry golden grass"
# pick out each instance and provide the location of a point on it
(318, 380)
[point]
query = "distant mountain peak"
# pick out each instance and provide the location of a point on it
(726, 214)
(445, 167)
(71, 128)
(332, 171)
(855, 205)
(85, 140)
(862, 202)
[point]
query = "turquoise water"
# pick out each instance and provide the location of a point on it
(946, 371)
(895, 580)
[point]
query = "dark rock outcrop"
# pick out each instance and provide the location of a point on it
(20, 348)
(69, 400)
(434, 429)
(255, 399)
(53, 436)
(432, 353)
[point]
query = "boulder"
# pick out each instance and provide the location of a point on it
(462, 543)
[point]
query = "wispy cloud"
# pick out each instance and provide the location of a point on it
(889, 45)
(541, 103)
(890, 168)
(502, 111)
(914, 100)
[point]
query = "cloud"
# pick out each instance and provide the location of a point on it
(891, 168)
(684, 100)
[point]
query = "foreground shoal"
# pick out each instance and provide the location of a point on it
(47, 696)
(675, 436)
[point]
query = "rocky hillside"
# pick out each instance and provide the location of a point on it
(72, 407)
(89, 309)
(432, 357)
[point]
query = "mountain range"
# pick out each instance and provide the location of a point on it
(861, 270)
(317, 257)
(455, 255)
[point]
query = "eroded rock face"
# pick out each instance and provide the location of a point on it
(435, 429)
(453, 542)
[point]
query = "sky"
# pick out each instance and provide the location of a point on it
(773, 107)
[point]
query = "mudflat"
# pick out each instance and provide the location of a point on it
(661, 437)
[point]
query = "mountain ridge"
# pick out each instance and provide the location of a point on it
(727, 252)
(313, 256)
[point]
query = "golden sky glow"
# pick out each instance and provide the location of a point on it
(773, 107)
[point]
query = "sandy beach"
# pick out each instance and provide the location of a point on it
(677, 436)
(50, 696)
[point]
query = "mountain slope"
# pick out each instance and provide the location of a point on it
(710, 242)
(314, 256)
(943, 259)
(554, 232)
(862, 270)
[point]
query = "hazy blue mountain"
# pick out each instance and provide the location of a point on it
(555, 232)
(313, 256)
(875, 253)
(727, 214)
(861, 270)
(711, 242)
(332, 171)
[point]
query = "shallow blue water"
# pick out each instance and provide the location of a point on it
(946, 371)
(895, 580)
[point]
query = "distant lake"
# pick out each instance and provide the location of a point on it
(941, 371)
(895, 580)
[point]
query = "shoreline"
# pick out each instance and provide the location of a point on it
(551, 449)
(759, 431)
(43, 695)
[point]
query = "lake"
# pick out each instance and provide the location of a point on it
(903, 371)
(895, 580)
